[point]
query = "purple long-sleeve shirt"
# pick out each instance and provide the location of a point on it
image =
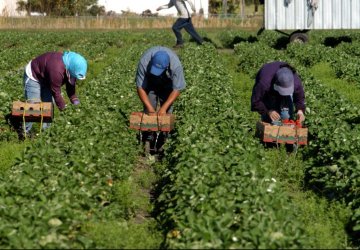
(50, 71)
(265, 98)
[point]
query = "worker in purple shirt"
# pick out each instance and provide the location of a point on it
(46, 74)
(277, 89)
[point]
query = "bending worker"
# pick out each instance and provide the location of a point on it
(278, 93)
(47, 73)
(159, 78)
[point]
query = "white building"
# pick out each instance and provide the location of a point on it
(138, 6)
(8, 8)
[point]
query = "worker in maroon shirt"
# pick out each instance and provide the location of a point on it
(46, 74)
(277, 90)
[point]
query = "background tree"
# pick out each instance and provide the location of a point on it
(96, 10)
(232, 6)
(61, 7)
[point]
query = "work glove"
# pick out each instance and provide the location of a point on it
(75, 101)
(273, 115)
(301, 116)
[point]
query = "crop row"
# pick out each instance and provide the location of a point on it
(72, 173)
(332, 156)
(220, 192)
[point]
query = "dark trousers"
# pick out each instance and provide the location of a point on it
(285, 108)
(157, 94)
(185, 23)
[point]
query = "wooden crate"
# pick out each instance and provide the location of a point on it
(151, 122)
(284, 134)
(33, 112)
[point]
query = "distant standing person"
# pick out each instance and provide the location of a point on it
(159, 78)
(45, 75)
(184, 21)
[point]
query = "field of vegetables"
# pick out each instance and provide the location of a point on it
(84, 182)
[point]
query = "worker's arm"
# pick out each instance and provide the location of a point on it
(192, 5)
(165, 6)
(145, 100)
(172, 97)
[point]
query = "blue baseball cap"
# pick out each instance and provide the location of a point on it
(160, 61)
(284, 83)
(75, 64)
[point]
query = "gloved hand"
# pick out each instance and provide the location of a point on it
(301, 116)
(273, 115)
(75, 101)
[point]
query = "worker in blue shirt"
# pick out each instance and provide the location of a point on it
(159, 80)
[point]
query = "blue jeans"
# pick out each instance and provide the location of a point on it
(185, 23)
(155, 97)
(35, 92)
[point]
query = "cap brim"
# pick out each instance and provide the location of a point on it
(284, 91)
(156, 71)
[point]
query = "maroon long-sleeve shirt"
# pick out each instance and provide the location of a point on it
(265, 98)
(50, 71)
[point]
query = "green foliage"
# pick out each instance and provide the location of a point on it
(123, 235)
(9, 152)
(37, 190)
(331, 156)
(221, 193)
(308, 55)
(273, 39)
(229, 38)
(324, 72)
(219, 188)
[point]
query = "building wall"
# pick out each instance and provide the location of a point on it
(330, 14)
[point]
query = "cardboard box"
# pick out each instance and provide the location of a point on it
(152, 122)
(281, 134)
(33, 112)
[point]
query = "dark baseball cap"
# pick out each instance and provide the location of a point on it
(284, 83)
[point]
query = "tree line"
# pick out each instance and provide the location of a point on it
(233, 6)
(61, 7)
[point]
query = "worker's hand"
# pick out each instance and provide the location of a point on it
(301, 115)
(151, 111)
(75, 101)
(62, 108)
(274, 116)
(162, 111)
